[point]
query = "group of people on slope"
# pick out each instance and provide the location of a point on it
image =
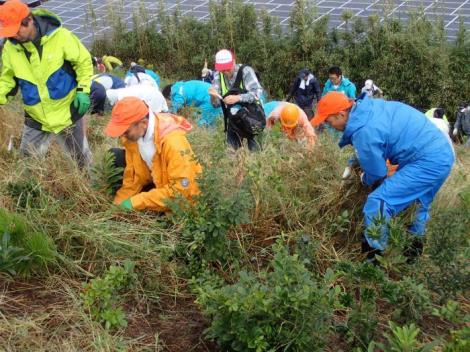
(55, 74)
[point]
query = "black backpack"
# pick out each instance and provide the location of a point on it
(250, 119)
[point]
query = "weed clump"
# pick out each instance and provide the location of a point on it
(23, 250)
(102, 297)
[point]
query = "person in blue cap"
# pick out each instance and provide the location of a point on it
(99, 85)
(387, 130)
(195, 94)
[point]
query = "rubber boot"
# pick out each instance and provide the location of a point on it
(371, 253)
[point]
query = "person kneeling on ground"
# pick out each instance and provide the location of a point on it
(158, 159)
(100, 84)
(151, 96)
(193, 94)
(294, 123)
(380, 130)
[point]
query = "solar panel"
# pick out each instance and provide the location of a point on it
(77, 15)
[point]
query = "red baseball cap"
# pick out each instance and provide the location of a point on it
(331, 103)
(224, 60)
(11, 15)
(125, 112)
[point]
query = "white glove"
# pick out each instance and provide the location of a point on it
(454, 132)
(347, 173)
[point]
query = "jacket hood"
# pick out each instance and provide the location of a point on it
(165, 123)
(47, 21)
(359, 116)
(304, 72)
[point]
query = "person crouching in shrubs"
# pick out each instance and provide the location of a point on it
(158, 161)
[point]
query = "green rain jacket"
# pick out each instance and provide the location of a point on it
(48, 73)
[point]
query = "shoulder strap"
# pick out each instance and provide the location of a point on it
(239, 78)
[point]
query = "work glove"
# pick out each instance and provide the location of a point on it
(454, 132)
(127, 204)
(82, 102)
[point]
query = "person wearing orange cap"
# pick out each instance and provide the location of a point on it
(387, 130)
(294, 123)
(158, 159)
(53, 70)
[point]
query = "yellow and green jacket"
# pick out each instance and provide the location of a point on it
(49, 73)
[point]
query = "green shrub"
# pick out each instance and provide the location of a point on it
(22, 250)
(102, 297)
(449, 251)
(410, 299)
(459, 342)
(362, 282)
(450, 311)
(205, 226)
(404, 339)
(282, 308)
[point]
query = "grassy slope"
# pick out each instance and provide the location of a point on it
(43, 312)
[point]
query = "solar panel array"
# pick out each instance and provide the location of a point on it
(78, 17)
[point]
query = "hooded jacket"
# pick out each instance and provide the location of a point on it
(49, 73)
(194, 93)
(463, 120)
(189, 93)
(346, 87)
(174, 169)
(380, 130)
(304, 94)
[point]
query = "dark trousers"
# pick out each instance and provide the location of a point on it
(120, 161)
(236, 142)
(308, 111)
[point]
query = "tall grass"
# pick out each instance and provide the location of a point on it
(287, 194)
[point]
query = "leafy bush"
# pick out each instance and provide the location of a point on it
(362, 283)
(205, 226)
(460, 341)
(103, 296)
(23, 250)
(281, 308)
(404, 339)
(449, 311)
(409, 298)
(449, 251)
